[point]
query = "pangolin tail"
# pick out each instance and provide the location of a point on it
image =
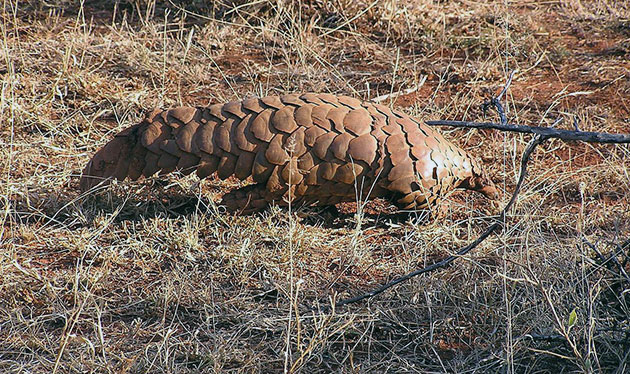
(114, 159)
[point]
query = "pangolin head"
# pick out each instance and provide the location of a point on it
(478, 180)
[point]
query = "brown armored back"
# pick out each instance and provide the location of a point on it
(309, 148)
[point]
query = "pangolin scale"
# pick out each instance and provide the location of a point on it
(305, 149)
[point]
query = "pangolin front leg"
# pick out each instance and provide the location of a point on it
(311, 149)
(248, 199)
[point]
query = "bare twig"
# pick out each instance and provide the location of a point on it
(427, 269)
(496, 101)
(625, 250)
(464, 250)
(541, 134)
(557, 338)
(444, 262)
(507, 85)
(611, 259)
(557, 122)
(393, 95)
(547, 132)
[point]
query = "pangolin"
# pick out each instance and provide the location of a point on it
(307, 148)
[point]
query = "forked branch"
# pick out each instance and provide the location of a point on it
(548, 132)
(464, 250)
(540, 135)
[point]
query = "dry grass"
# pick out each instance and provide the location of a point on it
(154, 277)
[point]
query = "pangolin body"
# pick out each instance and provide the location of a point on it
(304, 149)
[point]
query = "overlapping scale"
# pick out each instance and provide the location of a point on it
(310, 147)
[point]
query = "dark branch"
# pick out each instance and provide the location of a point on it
(496, 101)
(611, 261)
(507, 85)
(444, 262)
(547, 132)
(427, 269)
(541, 134)
(626, 254)
(600, 334)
